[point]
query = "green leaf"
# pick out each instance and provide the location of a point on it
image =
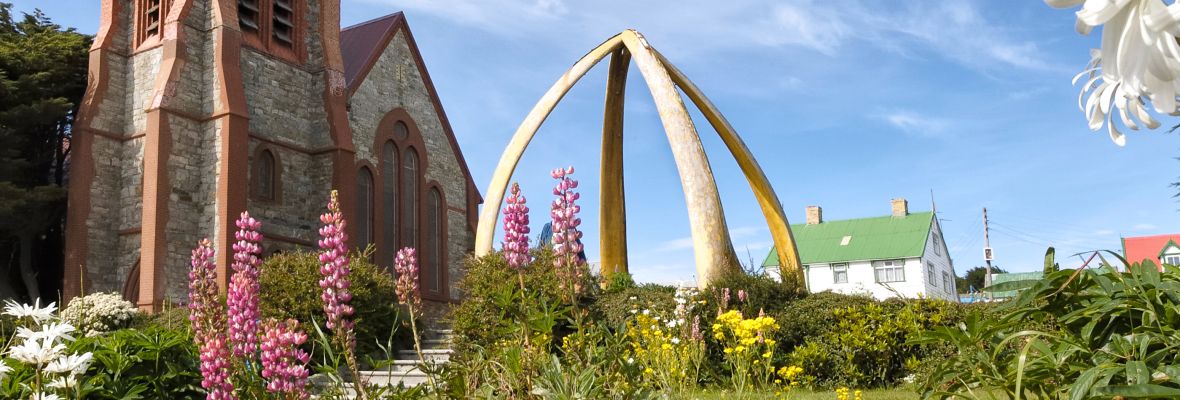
(1138, 391)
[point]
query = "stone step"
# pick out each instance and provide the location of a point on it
(429, 355)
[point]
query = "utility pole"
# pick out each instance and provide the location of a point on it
(987, 256)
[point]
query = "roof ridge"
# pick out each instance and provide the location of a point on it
(374, 20)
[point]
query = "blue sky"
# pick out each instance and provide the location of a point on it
(846, 104)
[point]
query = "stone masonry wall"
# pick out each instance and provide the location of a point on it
(393, 82)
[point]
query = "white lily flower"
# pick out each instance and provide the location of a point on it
(73, 364)
(34, 311)
(1139, 62)
(36, 352)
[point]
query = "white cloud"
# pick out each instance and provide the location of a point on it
(952, 29)
(1143, 227)
(686, 242)
(916, 124)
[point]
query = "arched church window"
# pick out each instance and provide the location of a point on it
(434, 243)
(264, 182)
(410, 196)
(400, 131)
(389, 189)
(364, 208)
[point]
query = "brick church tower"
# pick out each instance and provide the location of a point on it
(198, 110)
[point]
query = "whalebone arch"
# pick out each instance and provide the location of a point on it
(712, 247)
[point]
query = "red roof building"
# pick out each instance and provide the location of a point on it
(1158, 249)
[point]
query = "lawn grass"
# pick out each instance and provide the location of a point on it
(803, 394)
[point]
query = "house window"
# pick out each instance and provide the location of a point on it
(930, 276)
(266, 176)
(946, 282)
(389, 202)
(937, 245)
(410, 198)
(150, 19)
(364, 208)
(1172, 259)
(889, 271)
(432, 273)
(840, 273)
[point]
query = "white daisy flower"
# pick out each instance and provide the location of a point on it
(34, 311)
(4, 370)
(52, 332)
(675, 340)
(44, 396)
(36, 352)
(73, 364)
(64, 382)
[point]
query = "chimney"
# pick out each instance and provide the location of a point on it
(901, 207)
(815, 215)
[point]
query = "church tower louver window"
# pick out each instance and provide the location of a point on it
(149, 22)
(273, 26)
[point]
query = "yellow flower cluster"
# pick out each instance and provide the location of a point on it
(842, 394)
(661, 352)
(740, 334)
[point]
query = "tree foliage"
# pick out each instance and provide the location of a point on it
(43, 71)
(973, 278)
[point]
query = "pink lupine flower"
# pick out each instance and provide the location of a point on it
(516, 230)
(202, 292)
(215, 367)
(696, 334)
(334, 267)
(741, 295)
(242, 294)
(567, 243)
(284, 364)
(406, 267)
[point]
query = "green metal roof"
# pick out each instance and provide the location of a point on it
(876, 238)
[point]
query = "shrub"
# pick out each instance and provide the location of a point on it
(762, 293)
(290, 282)
(491, 305)
(98, 313)
(1115, 337)
(152, 363)
(615, 308)
(812, 316)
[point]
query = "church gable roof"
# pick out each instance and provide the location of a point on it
(361, 46)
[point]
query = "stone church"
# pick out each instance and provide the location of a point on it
(197, 110)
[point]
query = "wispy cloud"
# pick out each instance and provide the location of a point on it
(1143, 227)
(916, 124)
(686, 242)
(952, 29)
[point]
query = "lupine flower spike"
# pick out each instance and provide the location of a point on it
(284, 364)
(406, 266)
(334, 267)
(516, 230)
(208, 323)
(567, 244)
(242, 295)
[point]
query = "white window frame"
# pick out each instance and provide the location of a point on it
(1175, 259)
(889, 271)
(931, 275)
(840, 270)
(946, 282)
(937, 245)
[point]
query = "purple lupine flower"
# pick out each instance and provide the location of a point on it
(202, 292)
(208, 322)
(516, 230)
(567, 244)
(334, 267)
(406, 267)
(284, 364)
(696, 333)
(215, 367)
(242, 295)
